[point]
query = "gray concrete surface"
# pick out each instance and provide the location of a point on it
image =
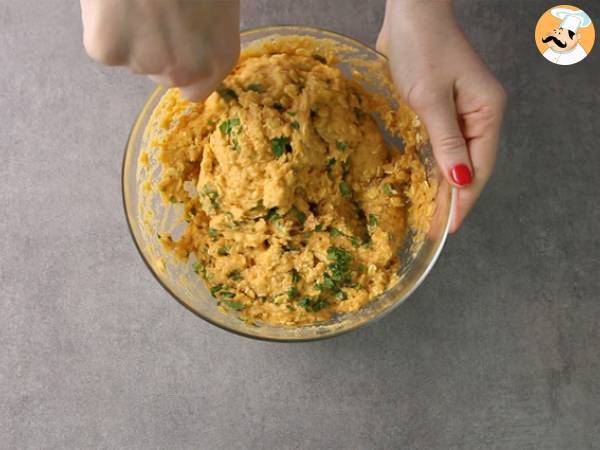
(499, 349)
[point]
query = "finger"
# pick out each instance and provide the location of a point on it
(196, 92)
(447, 141)
(384, 33)
(483, 156)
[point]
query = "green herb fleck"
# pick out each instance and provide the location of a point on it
(373, 220)
(304, 302)
(328, 283)
(295, 125)
(319, 227)
(341, 295)
(215, 289)
(293, 292)
(292, 113)
(236, 144)
(210, 122)
(198, 267)
(256, 87)
(227, 94)
(172, 199)
(334, 232)
(226, 294)
(341, 145)
(300, 216)
(356, 241)
(345, 189)
(272, 215)
(387, 189)
(346, 167)
(212, 195)
(280, 145)
(237, 306)
(213, 233)
(223, 251)
(235, 275)
(295, 276)
(226, 126)
(362, 268)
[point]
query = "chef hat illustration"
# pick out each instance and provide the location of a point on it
(571, 19)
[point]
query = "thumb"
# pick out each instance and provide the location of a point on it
(447, 141)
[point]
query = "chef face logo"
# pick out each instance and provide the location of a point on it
(565, 35)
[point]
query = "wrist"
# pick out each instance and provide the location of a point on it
(419, 14)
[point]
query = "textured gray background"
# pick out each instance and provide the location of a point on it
(499, 349)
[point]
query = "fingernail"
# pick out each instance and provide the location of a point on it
(461, 174)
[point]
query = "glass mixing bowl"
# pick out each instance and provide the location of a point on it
(148, 216)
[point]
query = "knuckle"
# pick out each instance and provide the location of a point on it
(496, 96)
(422, 97)
(103, 51)
(450, 145)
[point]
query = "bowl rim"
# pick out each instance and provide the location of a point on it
(126, 208)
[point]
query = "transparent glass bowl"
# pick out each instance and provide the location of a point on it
(188, 289)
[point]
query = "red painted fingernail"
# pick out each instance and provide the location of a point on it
(461, 174)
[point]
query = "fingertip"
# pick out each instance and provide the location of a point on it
(461, 175)
(195, 92)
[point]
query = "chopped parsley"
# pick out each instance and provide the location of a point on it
(387, 189)
(215, 289)
(272, 215)
(340, 264)
(362, 268)
(213, 233)
(235, 275)
(227, 94)
(373, 220)
(210, 122)
(293, 292)
(223, 251)
(341, 295)
(330, 164)
(255, 87)
(341, 145)
(236, 144)
(212, 195)
(226, 126)
(346, 167)
(345, 189)
(295, 125)
(313, 305)
(226, 294)
(334, 232)
(237, 306)
(300, 216)
(198, 267)
(319, 227)
(280, 145)
(295, 276)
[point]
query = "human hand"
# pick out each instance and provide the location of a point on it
(191, 44)
(442, 78)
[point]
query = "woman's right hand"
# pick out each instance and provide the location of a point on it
(190, 44)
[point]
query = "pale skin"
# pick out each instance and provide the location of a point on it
(195, 44)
